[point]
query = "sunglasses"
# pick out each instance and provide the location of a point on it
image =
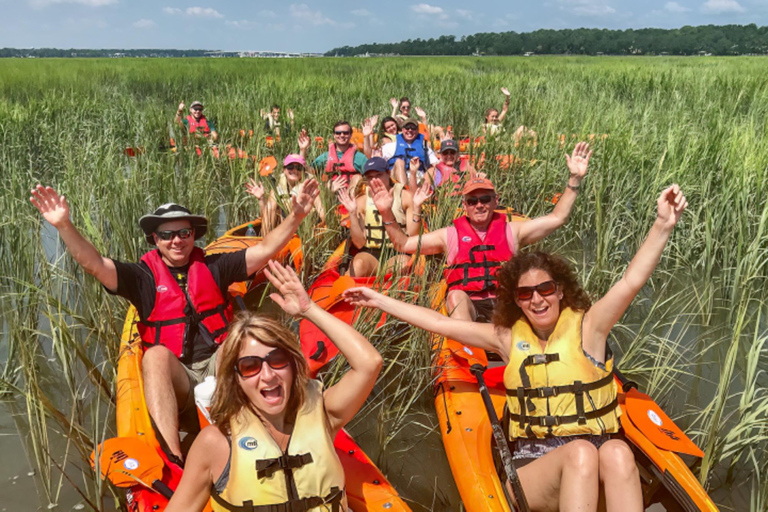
(410, 127)
(473, 200)
(342, 132)
(197, 109)
(448, 152)
(183, 233)
(250, 366)
(545, 289)
(294, 167)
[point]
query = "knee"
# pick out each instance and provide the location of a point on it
(582, 458)
(454, 298)
(617, 461)
(359, 266)
(156, 359)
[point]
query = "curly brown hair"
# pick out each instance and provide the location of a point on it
(506, 312)
(229, 399)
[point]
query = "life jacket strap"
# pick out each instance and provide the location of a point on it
(301, 505)
(267, 467)
(577, 388)
(552, 421)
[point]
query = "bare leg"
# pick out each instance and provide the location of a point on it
(620, 478)
(166, 386)
(399, 264)
(460, 306)
(398, 172)
(363, 265)
(565, 479)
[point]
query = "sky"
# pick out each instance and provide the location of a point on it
(296, 26)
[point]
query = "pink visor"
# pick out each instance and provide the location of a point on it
(294, 159)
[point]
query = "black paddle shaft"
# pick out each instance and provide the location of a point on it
(501, 441)
(163, 489)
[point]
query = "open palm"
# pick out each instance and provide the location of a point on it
(51, 205)
(291, 297)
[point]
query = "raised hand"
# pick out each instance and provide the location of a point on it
(505, 91)
(361, 296)
(671, 205)
(382, 198)
(419, 111)
(51, 205)
(304, 200)
(414, 164)
(181, 107)
(578, 161)
(337, 183)
(393, 102)
(290, 114)
(368, 127)
(374, 120)
(423, 193)
(346, 200)
(291, 297)
(304, 141)
(255, 188)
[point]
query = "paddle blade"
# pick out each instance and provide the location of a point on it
(657, 426)
(127, 461)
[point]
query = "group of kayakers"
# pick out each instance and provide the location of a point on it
(272, 441)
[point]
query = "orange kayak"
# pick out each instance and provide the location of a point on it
(655, 440)
(367, 488)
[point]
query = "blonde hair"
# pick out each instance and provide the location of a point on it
(229, 399)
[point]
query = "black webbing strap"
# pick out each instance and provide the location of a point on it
(551, 421)
(550, 391)
(532, 360)
(267, 467)
(301, 505)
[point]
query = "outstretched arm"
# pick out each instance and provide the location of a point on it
(180, 115)
(601, 318)
(395, 104)
(194, 489)
(301, 204)
(343, 400)
(505, 108)
(55, 210)
(470, 333)
(540, 227)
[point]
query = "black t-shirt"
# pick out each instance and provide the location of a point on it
(136, 283)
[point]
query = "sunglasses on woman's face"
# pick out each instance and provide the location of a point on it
(250, 366)
(183, 233)
(545, 289)
(294, 167)
(473, 200)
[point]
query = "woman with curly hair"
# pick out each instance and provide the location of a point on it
(271, 444)
(561, 393)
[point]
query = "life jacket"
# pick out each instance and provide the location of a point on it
(451, 174)
(194, 124)
(344, 167)
(558, 391)
(283, 195)
(307, 477)
(167, 323)
(477, 261)
(375, 232)
(406, 151)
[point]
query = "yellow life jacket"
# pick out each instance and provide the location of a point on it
(308, 477)
(375, 233)
(283, 195)
(558, 391)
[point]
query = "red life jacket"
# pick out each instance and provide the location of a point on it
(194, 124)
(167, 323)
(477, 261)
(451, 174)
(344, 167)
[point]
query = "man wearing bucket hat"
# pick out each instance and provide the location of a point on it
(196, 122)
(178, 291)
(477, 243)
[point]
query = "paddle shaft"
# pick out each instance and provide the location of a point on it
(501, 441)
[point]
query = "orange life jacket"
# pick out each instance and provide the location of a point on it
(194, 124)
(167, 323)
(477, 261)
(344, 167)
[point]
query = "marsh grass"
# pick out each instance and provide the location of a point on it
(695, 338)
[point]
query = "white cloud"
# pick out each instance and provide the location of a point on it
(719, 6)
(361, 12)
(675, 7)
(242, 24)
(39, 4)
(144, 24)
(464, 13)
(171, 10)
(303, 12)
(589, 8)
(203, 12)
(426, 9)
(266, 14)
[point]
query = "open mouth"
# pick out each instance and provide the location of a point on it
(540, 311)
(272, 395)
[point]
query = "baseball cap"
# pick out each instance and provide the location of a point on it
(376, 164)
(477, 184)
(196, 104)
(410, 120)
(449, 144)
(294, 159)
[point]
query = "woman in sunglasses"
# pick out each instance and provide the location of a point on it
(276, 205)
(273, 425)
(550, 338)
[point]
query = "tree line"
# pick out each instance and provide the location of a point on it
(687, 40)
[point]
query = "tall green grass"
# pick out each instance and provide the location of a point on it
(695, 338)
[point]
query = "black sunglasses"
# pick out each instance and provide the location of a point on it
(473, 200)
(197, 108)
(250, 366)
(294, 167)
(183, 233)
(526, 292)
(342, 132)
(410, 127)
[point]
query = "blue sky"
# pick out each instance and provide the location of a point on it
(296, 25)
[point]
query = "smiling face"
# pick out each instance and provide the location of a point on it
(390, 127)
(197, 112)
(492, 117)
(293, 172)
(410, 132)
(480, 214)
(176, 251)
(405, 108)
(270, 390)
(449, 157)
(542, 312)
(275, 114)
(341, 135)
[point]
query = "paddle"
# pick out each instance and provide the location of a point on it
(501, 441)
(129, 460)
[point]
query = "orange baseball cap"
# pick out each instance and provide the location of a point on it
(477, 184)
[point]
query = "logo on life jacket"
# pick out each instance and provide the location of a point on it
(162, 288)
(466, 239)
(131, 464)
(248, 443)
(654, 417)
(523, 345)
(469, 351)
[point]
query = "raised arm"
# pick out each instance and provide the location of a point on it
(180, 115)
(534, 230)
(395, 104)
(470, 333)
(505, 108)
(301, 204)
(304, 143)
(422, 115)
(356, 217)
(601, 318)
(194, 489)
(343, 400)
(55, 209)
(368, 129)
(434, 242)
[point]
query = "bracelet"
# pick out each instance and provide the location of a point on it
(575, 189)
(416, 218)
(388, 223)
